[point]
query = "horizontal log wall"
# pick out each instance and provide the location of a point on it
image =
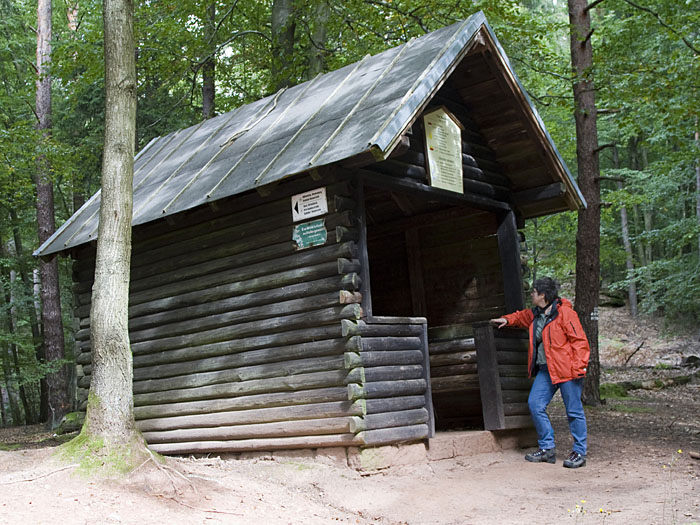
(392, 361)
(236, 334)
(242, 342)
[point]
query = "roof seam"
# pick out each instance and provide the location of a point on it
(196, 151)
(306, 122)
(252, 146)
(250, 124)
(337, 130)
(418, 82)
(146, 201)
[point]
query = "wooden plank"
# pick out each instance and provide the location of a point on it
(394, 373)
(386, 389)
(517, 370)
(515, 396)
(202, 319)
(247, 329)
(303, 427)
(362, 248)
(456, 358)
(516, 409)
(246, 388)
(244, 373)
(518, 421)
(415, 271)
(253, 416)
(270, 347)
(351, 328)
(369, 359)
(388, 420)
(454, 370)
(454, 383)
(513, 358)
(452, 346)
(491, 397)
(388, 343)
(391, 404)
(266, 273)
(509, 251)
(386, 436)
(247, 402)
(248, 445)
(516, 383)
(447, 197)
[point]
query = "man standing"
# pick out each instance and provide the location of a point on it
(558, 357)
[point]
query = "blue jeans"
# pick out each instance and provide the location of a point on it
(541, 394)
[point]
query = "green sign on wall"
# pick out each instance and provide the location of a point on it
(310, 234)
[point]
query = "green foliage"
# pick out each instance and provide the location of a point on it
(612, 391)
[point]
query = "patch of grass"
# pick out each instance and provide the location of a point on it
(662, 366)
(613, 391)
(632, 409)
(8, 447)
(96, 459)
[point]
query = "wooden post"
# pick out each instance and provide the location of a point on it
(363, 255)
(509, 250)
(426, 376)
(489, 381)
(415, 269)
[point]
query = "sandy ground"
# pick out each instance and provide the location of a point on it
(639, 472)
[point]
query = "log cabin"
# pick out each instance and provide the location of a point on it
(314, 269)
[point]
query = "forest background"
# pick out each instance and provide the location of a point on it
(198, 58)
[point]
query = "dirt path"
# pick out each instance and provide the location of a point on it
(635, 475)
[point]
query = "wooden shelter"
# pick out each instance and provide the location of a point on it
(314, 269)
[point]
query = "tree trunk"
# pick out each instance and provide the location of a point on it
(588, 234)
(317, 57)
(697, 178)
(38, 344)
(283, 26)
(208, 69)
(110, 412)
(2, 407)
(54, 346)
(11, 395)
(632, 289)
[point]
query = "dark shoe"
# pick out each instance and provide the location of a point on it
(542, 455)
(575, 460)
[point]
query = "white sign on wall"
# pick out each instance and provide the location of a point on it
(309, 204)
(443, 145)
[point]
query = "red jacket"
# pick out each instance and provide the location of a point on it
(565, 345)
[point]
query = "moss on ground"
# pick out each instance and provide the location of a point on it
(97, 458)
(632, 409)
(613, 391)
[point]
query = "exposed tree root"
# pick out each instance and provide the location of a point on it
(40, 475)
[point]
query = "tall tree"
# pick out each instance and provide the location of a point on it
(319, 38)
(54, 346)
(283, 28)
(625, 230)
(110, 413)
(209, 66)
(588, 234)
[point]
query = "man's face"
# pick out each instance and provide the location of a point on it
(538, 298)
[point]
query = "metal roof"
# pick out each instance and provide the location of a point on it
(362, 107)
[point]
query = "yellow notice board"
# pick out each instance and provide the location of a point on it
(443, 148)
